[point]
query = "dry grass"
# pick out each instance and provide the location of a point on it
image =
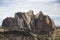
(58, 32)
(1, 29)
(54, 36)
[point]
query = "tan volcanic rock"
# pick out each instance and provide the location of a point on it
(44, 23)
(26, 20)
(32, 20)
(39, 23)
(20, 21)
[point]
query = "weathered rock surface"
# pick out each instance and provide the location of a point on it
(9, 22)
(26, 20)
(43, 23)
(39, 23)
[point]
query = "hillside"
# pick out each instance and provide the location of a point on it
(27, 26)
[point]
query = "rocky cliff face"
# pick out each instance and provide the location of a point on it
(25, 20)
(11, 22)
(38, 23)
(44, 23)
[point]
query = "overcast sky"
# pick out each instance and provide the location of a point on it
(48, 7)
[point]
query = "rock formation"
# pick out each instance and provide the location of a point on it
(8, 22)
(43, 23)
(25, 20)
(38, 23)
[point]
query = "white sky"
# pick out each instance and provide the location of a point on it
(49, 7)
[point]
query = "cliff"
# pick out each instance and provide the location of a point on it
(36, 24)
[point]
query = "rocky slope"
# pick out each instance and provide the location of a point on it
(27, 20)
(17, 35)
(37, 24)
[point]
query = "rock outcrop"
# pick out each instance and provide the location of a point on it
(38, 24)
(44, 24)
(25, 20)
(9, 22)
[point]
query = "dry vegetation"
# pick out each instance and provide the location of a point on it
(54, 36)
(58, 34)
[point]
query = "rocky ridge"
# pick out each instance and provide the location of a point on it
(36, 24)
(27, 20)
